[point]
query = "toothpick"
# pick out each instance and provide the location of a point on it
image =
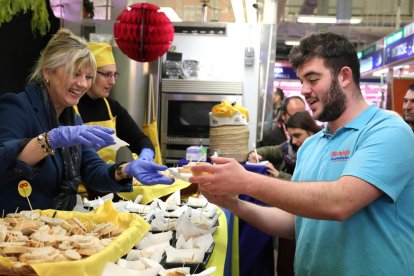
(75, 220)
(255, 153)
(215, 154)
(201, 213)
(28, 201)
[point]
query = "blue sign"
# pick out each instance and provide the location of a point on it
(372, 61)
(285, 73)
(400, 50)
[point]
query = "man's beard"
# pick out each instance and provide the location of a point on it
(334, 103)
(409, 120)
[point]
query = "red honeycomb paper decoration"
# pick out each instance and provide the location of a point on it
(142, 33)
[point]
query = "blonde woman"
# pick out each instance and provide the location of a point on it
(46, 144)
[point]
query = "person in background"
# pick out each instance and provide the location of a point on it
(97, 109)
(349, 211)
(278, 97)
(300, 126)
(279, 134)
(408, 106)
(46, 147)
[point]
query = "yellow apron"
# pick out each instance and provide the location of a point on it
(107, 154)
(150, 123)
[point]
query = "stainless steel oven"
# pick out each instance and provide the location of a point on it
(184, 119)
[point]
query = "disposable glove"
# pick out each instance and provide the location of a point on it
(146, 154)
(95, 136)
(147, 172)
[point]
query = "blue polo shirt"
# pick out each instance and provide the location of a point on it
(378, 147)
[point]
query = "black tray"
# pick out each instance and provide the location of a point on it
(194, 267)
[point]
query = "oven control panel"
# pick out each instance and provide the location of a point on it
(187, 141)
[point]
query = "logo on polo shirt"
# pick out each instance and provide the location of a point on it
(341, 155)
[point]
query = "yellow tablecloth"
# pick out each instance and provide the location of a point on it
(218, 257)
(150, 193)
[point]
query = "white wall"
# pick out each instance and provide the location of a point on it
(222, 58)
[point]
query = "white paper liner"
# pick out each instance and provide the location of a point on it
(112, 269)
(208, 211)
(97, 202)
(203, 242)
(174, 198)
(160, 223)
(188, 229)
(119, 143)
(171, 206)
(204, 222)
(151, 239)
(174, 255)
(176, 213)
(154, 252)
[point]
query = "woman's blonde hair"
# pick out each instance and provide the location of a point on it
(64, 49)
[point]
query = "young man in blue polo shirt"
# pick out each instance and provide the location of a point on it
(349, 205)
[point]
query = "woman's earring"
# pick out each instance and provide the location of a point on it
(47, 81)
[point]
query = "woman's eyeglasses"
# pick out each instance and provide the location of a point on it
(109, 75)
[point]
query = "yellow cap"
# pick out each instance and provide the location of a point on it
(102, 53)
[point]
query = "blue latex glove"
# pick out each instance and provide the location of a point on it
(147, 172)
(95, 136)
(146, 154)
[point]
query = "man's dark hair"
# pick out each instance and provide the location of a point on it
(336, 50)
(303, 120)
(279, 91)
(411, 86)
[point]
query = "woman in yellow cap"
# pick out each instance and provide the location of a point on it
(97, 109)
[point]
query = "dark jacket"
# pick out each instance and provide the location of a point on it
(283, 158)
(22, 117)
(275, 136)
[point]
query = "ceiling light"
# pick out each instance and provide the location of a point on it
(380, 73)
(170, 13)
(327, 19)
(292, 42)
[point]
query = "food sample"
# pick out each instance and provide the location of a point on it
(27, 238)
(187, 168)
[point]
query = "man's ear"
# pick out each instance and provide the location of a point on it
(345, 76)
